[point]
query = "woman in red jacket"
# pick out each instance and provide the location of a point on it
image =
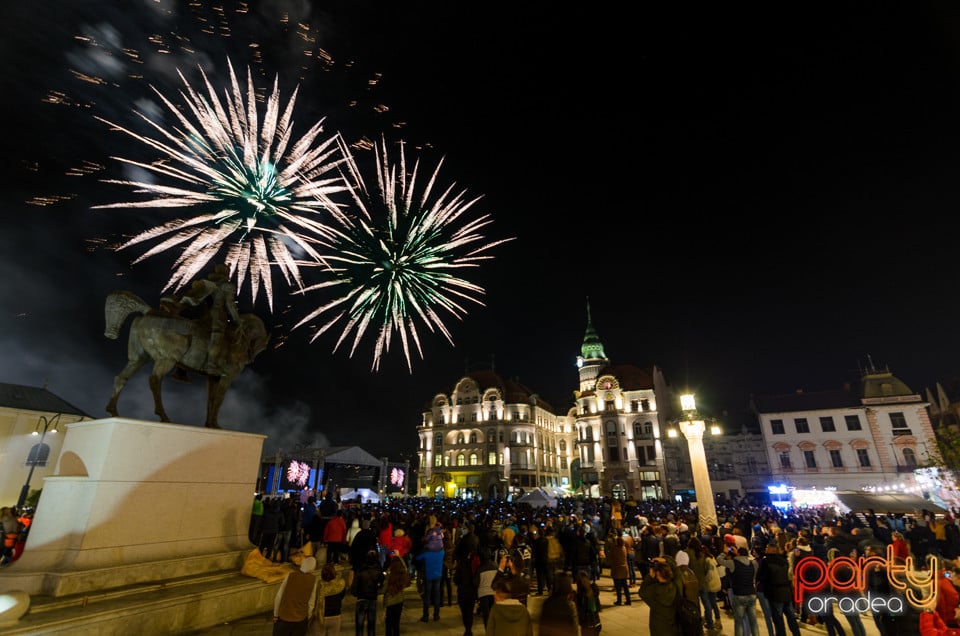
(335, 536)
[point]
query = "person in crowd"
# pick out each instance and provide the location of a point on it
(353, 530)
(449, 560)
(270, 529)
(402, 545)
(558, 614)
(290, 529)
(366, 586)
(587, 601)
(432, 560)
(743, 576)
(466, 570)
(712, 586)
(256, 517)
(363, 543)
(616, 552)
(335, 537)
(948, 599)
(773, 575)
(659, 591)
(541, 561)
(294, 601)
(328, 614)
(630, 542)
(384, 537)
(397, 580)
(10, 527)
(508, 617)
(485, 574)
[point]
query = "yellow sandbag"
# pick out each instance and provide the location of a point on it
(297, 556)
(259, 567)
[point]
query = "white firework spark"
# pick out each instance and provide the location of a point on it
(394, 262)
(255, 194)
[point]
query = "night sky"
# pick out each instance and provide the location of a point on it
(754, 198)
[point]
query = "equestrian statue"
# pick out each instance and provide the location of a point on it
(215, 340)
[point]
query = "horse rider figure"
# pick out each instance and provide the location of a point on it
(220, 294)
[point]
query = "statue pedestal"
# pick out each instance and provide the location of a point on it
(135, 502)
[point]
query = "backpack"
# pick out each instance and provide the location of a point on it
(688, 616)
(434, 540)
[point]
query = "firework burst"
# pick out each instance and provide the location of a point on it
(395, 263)
(254, 193)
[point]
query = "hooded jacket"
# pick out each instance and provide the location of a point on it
(509, 618)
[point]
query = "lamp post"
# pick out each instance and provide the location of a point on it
(48, 425)
(693, 427)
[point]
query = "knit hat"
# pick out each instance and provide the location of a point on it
(309, 565)
(682, 558)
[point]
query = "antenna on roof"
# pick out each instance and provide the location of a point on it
(870, 361)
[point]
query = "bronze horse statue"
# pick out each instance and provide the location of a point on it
(171, 341)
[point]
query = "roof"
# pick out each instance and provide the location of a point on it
(513, 391)
(31, 398)
(880, 503)
(806, 401)
(631, 377)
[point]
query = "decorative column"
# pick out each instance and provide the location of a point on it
(693, 428)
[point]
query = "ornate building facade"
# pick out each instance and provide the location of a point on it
(490, 438)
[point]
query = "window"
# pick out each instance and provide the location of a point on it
(438, 460)
(613, 453)
(785, 459)
(459, 438)
(501, 437)
(776, 426)
(437, 440)
(563, 463)
(461, 460)
(827, 425)
(38, 455)
(492, 458)
(651, 454)
(802, 425)
(897, 420)
(563, 445)
(645, 405)
(491, 437)
(460, 418)
(809, 459)
(863, 457)
(588, 433)
(909, 457)
(611, 429)
(634, 405)
(446, 460)
(473, 437)
(853, 422)
(637, 430)
(474, 460)
(835, 459)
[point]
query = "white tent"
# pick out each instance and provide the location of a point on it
(538, 498)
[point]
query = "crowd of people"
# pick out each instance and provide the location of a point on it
(496, 554)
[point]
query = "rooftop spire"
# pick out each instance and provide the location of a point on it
(592, 348)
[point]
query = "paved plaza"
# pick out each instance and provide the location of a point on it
(620, 620)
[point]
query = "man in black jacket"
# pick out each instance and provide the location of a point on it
(366, 587)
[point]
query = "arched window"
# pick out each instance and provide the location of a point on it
(459, 438)
(474, 460)
(909, 457)
(490, 437)
(473, 437)
(461, 460)
(38, 455)
(563, 445)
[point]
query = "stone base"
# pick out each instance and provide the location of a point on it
(128, 494)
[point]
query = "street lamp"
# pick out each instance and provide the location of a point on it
(48, 425)
(693, 427)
